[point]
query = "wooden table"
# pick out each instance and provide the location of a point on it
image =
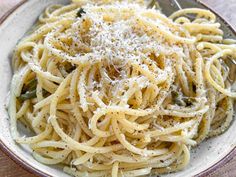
(226, 8)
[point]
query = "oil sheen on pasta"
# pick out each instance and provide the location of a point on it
(115, 89)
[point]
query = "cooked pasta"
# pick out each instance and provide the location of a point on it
(114, 88)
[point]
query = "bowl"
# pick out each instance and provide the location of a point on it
(206, 158)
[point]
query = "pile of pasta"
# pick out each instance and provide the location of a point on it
(116, 89)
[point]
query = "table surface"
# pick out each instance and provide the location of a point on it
(226, 8)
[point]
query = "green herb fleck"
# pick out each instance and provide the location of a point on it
(28, 95)
(29, 90)
(177, 98)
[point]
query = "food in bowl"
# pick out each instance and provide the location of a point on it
(114, 88)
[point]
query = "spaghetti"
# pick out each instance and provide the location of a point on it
(116, 89)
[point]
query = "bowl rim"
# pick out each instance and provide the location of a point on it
(26, 166)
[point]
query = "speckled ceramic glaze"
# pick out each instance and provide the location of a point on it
(204, 159)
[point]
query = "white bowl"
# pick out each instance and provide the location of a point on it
(204, 159)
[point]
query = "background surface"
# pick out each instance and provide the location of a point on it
(226, 8)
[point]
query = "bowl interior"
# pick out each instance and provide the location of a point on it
(16, 25)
